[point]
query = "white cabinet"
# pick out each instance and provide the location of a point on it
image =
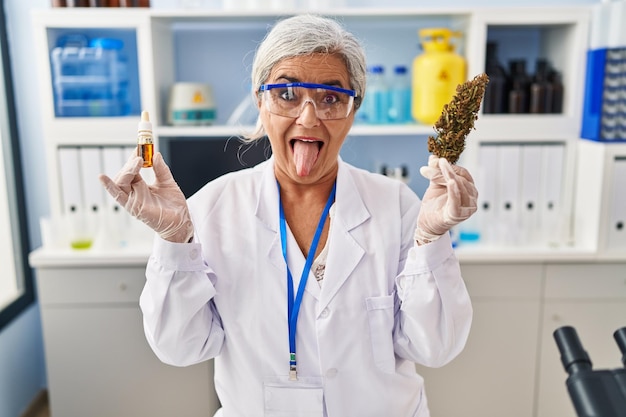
(511, 365)
(591, 297)
(600, 204)
(97, 357)
(495, 374)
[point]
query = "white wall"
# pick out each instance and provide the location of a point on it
(22, 368)
(22, 364)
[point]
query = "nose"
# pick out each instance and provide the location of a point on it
(308, 114)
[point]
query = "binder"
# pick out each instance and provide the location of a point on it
(486, 214)
(553, 223)
(138, 232)
(508, 193)
(71, 188)
(529, 198)
(77, 226)
(617, 209)
(616, 30)
(113, 159)
(91, 168)
(118, 222)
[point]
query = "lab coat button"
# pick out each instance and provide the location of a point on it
(325, 312)
(331, 373)
(193, 254)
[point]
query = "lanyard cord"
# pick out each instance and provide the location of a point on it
(293, 305)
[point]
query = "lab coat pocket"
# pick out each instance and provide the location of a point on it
(301, 398)
(380, 315)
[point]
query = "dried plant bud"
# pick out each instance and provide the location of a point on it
(457, 119)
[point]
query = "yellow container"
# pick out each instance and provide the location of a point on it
(436, 74)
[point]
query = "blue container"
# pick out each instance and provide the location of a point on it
(375, 106)
(400, 96)
(604, 108)
(90, 79)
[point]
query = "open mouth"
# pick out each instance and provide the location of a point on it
(307, 141)
(305, 154)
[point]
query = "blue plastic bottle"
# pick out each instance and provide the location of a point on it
(375, 106)
(400, 96)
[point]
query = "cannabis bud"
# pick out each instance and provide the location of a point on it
(457, 119)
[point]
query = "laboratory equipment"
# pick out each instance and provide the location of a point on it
(436, 74)
(191, 104)
(593, 392)
(90, 77)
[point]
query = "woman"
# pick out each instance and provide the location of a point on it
(314, 285)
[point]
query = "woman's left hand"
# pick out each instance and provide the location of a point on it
(450, 198)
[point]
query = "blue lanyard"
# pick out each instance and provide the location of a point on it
(293, 305)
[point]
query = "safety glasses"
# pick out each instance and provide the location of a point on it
(330, 103)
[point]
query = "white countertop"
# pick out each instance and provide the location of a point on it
(138, 255)
(542, 254)
(93, 257)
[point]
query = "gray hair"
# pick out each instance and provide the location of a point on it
(304, 35)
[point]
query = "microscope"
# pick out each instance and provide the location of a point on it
(599, 393)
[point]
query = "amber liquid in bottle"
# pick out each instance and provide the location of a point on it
(145, 143)
(146, 151)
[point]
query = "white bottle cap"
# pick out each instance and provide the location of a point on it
(145, 124)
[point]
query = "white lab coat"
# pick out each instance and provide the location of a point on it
(384, 303)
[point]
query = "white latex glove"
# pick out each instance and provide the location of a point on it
(162, 205)
(450, 198)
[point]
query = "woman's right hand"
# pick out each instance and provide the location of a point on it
(162, 205)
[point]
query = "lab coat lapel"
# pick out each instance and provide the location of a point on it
(345, 250)
(267, 213)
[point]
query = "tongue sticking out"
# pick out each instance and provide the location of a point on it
(305, 155)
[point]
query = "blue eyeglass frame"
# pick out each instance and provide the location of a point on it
(267, 87)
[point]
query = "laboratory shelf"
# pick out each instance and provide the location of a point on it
(179, 45)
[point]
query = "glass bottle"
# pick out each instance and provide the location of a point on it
(495, 100)
(520, 83)
(400, 96)
(555, 91)
(145, 141)
(375, 104)
(538, 88)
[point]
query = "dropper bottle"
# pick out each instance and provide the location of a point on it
(145, 143)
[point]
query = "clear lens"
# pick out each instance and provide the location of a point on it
(289, 100)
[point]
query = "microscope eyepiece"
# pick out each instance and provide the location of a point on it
(573, 357)
(620, 338)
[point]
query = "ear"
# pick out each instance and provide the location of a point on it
(357, 102)
(258, 98)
